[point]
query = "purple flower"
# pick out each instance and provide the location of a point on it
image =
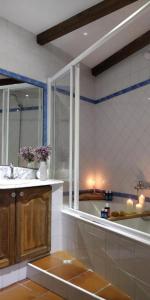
(27, 153)
(42, 153)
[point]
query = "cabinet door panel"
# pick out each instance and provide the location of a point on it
(7, 228)
(33, 214)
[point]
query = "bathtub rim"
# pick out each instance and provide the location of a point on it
(133, 234)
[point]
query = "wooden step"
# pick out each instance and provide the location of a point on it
(63, 273)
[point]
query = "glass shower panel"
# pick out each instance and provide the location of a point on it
(1, 111)
(25, 121)
(61, 132)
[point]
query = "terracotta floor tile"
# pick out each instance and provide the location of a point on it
(36, 288)
(90, 281)
(63, 255)
(17, 293)
(112, 293)
(47, 262)
(68, 270)
(50, 296)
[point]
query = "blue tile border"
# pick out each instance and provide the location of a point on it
(131, 88)
(27, 108)
(114, 194)
(67, 93)
(124, 91)
(38, 84)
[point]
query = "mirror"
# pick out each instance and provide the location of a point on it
(21, 116)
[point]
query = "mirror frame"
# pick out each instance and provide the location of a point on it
(38, 84)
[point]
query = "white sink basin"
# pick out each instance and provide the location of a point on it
(15, 181)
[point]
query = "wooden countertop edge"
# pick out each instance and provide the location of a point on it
(130, 216)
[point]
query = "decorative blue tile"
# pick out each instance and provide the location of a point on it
(124, 91)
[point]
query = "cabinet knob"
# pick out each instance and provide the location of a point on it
(13, 195)
(21, 194)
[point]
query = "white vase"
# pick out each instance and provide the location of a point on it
(31, 165)
(43, 170)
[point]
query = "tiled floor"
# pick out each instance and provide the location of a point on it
(27, 290)
(64, 265)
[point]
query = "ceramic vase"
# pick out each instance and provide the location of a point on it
(31, 165)
(43, 170)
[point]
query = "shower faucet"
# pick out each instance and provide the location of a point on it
(142, 185)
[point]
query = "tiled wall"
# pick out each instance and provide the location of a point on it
(122, 124)
(122, 140)
(122, 261)
(131, 70)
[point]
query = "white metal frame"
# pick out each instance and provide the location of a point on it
(71, 137)
(74, 64)
(5, 126)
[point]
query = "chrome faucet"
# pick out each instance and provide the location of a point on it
(11, 166)
(11, 171)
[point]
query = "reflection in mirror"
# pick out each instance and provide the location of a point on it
(21, 118)
(1, 106)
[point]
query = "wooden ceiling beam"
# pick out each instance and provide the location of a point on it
(81, 19)
(8, 81)
(131, 48)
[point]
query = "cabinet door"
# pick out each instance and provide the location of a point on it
(7, 227)
(33, 215)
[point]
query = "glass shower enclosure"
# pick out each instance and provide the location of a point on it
(64, 112)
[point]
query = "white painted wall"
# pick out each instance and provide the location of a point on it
(131, 70)
(20, 53)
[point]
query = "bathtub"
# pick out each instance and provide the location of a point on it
(142, 224)
(94, 208)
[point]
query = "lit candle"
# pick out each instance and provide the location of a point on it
(129, 205)
(139, 208)
(141, 200)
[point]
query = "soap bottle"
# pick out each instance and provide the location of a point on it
(106, 195)
(109, 198)
(107, 207)
(103, 213)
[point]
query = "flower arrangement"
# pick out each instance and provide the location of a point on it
(42, 153)
(31, 154)
(27, 153)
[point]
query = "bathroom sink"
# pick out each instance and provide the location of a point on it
(17, 181)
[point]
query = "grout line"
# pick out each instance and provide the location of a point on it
(76, 276)
(104, 288)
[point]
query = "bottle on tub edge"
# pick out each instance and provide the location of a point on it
(108, 195)
(107, 207)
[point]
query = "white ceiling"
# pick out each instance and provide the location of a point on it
(38, 15)
(75, 43)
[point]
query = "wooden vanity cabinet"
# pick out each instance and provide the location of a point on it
(25, 218)
(32, 222)
(7, 227)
